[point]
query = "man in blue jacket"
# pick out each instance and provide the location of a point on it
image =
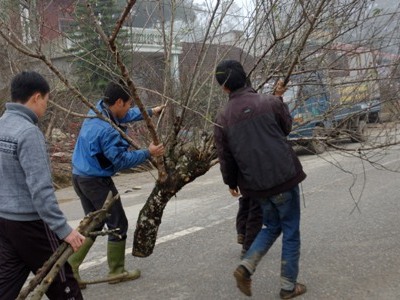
(99, 153)
(31, 222)
(257, 161)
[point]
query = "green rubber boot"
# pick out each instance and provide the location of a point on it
(116, 263)
(77, 258)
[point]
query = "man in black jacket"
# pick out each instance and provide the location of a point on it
(257, 161)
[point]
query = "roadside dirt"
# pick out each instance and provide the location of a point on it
(62, 171)
(62, 175)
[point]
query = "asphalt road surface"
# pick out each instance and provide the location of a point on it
(348, 251)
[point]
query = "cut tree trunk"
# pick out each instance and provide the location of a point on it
(150, 216)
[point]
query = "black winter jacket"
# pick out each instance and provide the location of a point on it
(253, 150)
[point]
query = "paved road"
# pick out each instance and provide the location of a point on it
(347, 253)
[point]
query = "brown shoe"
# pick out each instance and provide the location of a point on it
(240, 239)
(298, 290)
(243, 281)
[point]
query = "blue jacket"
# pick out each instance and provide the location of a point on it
(100, 150)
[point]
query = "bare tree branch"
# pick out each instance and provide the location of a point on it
(125, 74)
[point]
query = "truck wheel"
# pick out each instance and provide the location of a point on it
(373, 118)
(316, 147)
(360, 134)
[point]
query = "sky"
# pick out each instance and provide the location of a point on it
(242, 4)
(247, 4)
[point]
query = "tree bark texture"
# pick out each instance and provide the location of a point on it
(150, 216)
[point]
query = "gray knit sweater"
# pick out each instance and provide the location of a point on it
(26, 189)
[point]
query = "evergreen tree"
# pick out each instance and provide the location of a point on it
(94, 65)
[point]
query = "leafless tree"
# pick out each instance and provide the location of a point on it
(343, 42)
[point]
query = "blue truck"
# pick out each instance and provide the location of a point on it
(323, 114)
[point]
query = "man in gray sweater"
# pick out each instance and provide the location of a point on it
(31, 222)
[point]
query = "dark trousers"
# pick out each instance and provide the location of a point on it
(24, 248)
(93, 192)
(248, 220)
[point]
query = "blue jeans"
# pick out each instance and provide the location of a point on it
(281, 214)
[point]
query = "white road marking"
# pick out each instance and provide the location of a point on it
(160, 240)
(173, 236)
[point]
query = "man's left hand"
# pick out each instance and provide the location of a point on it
(158, 109)
(235, 192)
(280, 88)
